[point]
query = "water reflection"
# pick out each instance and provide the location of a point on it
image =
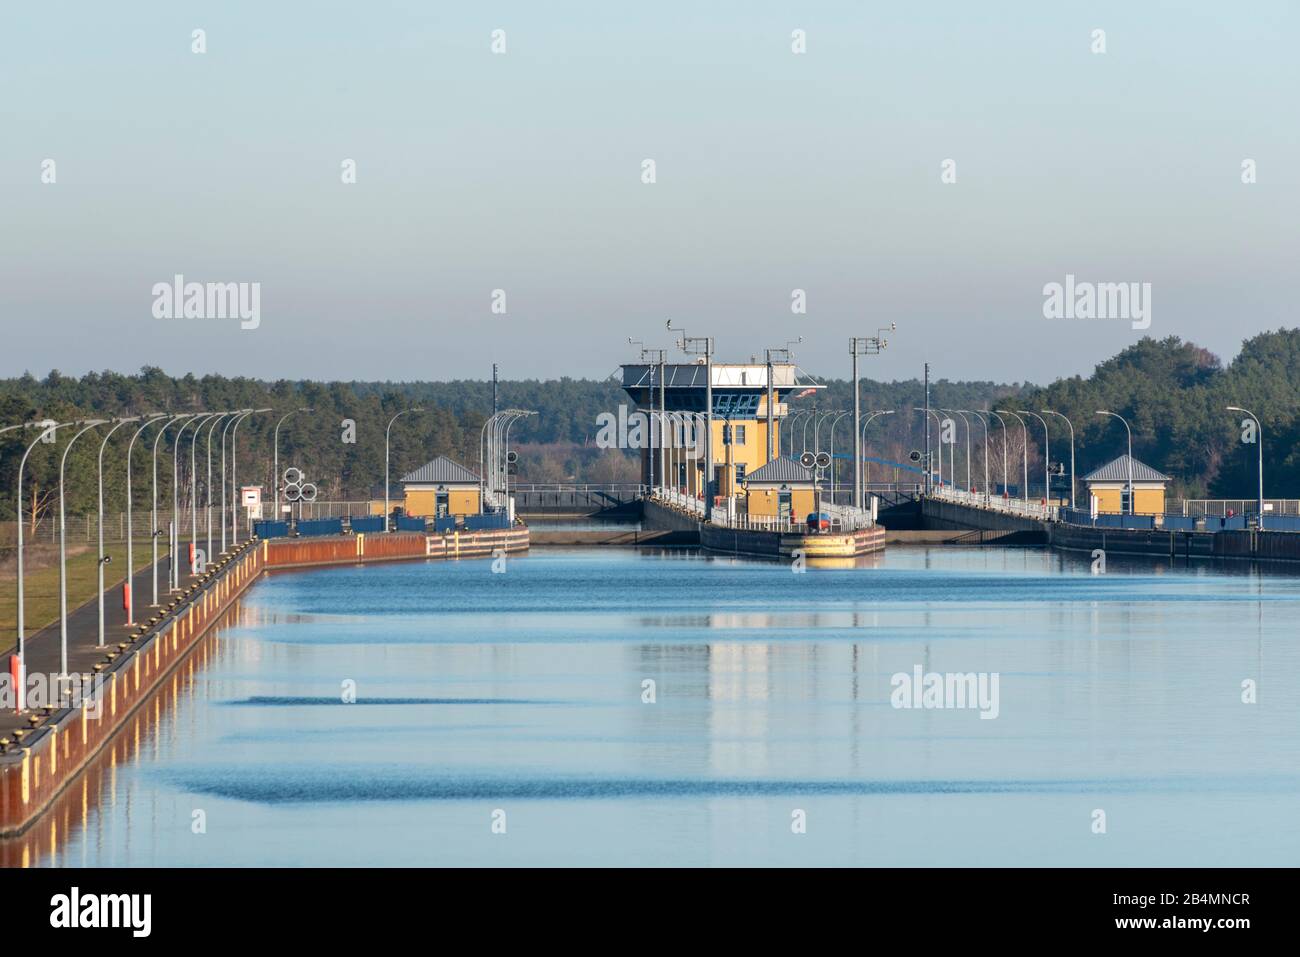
(771, 692)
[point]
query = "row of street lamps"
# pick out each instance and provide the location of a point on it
(48, 431)
(998, 413)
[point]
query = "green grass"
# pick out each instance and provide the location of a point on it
(41, 584)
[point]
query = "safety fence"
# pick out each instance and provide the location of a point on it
(1008, 506)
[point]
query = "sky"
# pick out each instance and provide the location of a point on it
(517, 179)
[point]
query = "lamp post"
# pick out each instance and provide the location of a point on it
(387, 433)
(788, 426)
(1259, 441)
(234, 473)
(128, 593)
(1071, 427)
(63, 546)
(197, 421)
(275, 467)
(224, 429)
(967, 421)
(985, 424)
(703, 345)
(50, 430)
(1024, 448)
(154, 530)
(1002, 422)
(1047, 459)
(102, 558)
(1129, 431)
(859, 346)
(835, 422)
(863, 443)
(929, 466)
(207, 487)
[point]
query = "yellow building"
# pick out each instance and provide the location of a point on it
(781, 489)
(738, 440)
(1109, 484)
(440, 488)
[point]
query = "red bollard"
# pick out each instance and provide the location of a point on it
(126, 596)
(16, 677)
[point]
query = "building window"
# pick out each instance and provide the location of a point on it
(738, 432)
(740, 473)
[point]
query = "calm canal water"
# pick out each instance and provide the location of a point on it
(522, 693)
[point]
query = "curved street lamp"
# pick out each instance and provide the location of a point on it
(1024, 447)
(155, 531)
(128, 592)
(174, 572)
(867, 479)
(1128, 430)
(1005, 488)
(63, 546)
(387, 433)
(234, 472)
(50, 430)
(207, 486)
(1047, 459)
(1071, 427)
(1259, 441)
(275, 467)
(967, 421)
(102, 558)
(983, 422)
(834, 423)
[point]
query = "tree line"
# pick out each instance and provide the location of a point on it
(1173, 393)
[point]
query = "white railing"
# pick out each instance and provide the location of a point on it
(1009, 506)
(1195, 507)
(677, 499)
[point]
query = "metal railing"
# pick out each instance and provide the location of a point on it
(679, 500)
(1008, 506)
(1220, 507)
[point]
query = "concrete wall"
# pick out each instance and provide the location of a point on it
(938, 514)
(656, 517)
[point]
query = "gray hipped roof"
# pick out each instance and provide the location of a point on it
(783, 470)
(441, 471)
(1117, 471)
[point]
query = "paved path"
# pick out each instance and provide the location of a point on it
(43, 649)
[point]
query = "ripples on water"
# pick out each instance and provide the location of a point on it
(522, 691)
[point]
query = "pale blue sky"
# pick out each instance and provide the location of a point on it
(522, 172)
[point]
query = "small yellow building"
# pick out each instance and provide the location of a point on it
(781, 489)
(440, 488)
(1110, 483)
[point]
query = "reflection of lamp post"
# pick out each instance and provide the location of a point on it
(1071, 425)
(1259, 441)
(1131, 494)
